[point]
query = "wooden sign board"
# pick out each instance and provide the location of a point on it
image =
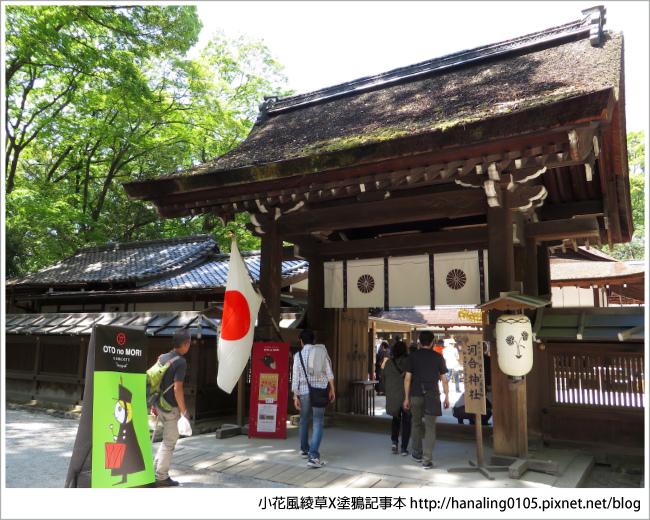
(474, 369)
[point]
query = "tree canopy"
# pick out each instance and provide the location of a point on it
(97, 96)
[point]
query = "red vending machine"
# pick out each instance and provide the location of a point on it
(269, 390)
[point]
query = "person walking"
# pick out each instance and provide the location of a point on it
(300, 387)
(379, 362)
(394, 373)
(173, 377)
(424, 368)
(451, 353)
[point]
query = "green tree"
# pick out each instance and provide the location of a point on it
(636, 151)
(77, 132)
(54, 53)
(636, 161)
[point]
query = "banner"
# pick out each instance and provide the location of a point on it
(365, 283)
(408, 281)
(269, 390)
(121, 453)
(333, 278)
(457, 279)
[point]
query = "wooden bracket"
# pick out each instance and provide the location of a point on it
(523, 198)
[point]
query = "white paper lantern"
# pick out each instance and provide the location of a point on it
(514, 344)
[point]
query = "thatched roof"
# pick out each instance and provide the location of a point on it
(432, 97)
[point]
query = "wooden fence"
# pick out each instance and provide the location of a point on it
(593, 392)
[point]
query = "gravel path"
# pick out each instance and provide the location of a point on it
(39, 445)
(37, 440)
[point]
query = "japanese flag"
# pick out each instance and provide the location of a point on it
(240, 308)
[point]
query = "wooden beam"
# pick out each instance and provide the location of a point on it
(570, 210)
(583, 227)
(404, 245)
(455, 204)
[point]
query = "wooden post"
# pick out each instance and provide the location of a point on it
(479, 439)
(501, 266)
(316, 295)
(371, 352)
(531, 283)
(543, 270)
(270, 280)
(522, 419)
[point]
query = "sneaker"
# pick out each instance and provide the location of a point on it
(427, 465)
(405, 453)
(168, 482)
(304, 454)
(416, 458)
(315, 463)
(394, 447)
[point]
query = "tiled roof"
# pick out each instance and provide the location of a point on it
(159, 265)
(214, 273)
(154, 323)
(590, 324)
(129, 262)
(429, 98)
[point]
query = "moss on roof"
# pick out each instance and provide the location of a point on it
(431, 104)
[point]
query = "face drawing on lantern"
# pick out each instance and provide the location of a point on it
(510, 340)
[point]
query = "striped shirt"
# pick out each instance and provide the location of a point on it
(298, 380)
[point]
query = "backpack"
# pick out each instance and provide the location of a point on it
(154, 379)
(318, 359)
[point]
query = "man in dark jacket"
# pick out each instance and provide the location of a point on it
(424, 368)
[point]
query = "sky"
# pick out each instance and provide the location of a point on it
(324, 43)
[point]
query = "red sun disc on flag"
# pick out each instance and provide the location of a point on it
(236, 319)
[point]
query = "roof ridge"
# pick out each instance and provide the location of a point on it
(275, 105)
(146, 243)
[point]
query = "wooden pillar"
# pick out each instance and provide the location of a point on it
(501, 265)
(543, 271)
(531, 283)
(268, 317)
(501, 260)
(192, 386)
(371, 350)
(316, 295)
(349, 353)
(270, 282)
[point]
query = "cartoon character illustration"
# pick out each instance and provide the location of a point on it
(268, 361)
(124, 456)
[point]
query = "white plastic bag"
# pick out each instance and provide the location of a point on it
(184, 427)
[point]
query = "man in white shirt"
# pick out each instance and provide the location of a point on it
(309, 450)
(452, 359)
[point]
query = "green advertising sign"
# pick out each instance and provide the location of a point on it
(121, 447)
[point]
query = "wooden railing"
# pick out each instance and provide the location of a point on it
(599, 380)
